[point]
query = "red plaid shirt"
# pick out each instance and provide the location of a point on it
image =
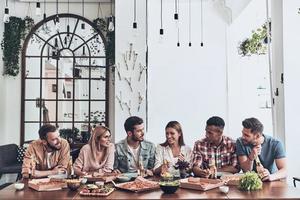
(224, 154)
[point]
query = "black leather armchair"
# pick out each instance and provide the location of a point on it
(8, 160)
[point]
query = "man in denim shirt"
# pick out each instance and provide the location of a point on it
(134, 153)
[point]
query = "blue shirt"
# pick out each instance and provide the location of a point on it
(271, 149)
(123, 156)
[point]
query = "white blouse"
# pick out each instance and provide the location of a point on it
(165, 153)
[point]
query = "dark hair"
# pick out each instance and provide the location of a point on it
(254, 125)
(131, 122)
(45, 129)
(176, 125)
(215, 121)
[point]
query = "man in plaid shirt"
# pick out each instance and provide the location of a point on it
(214, 150)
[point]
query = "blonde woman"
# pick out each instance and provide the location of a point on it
(97, 155)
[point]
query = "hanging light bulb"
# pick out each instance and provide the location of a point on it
(38, 10)
(83, 24)
(57, 24)
(111, 26)
(161, 35)
(161, 30)
(6, 15)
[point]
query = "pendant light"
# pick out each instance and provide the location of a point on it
(83, 24)
(111, 26)
(201, 23)
(67, 38)
(57, 24)
(161, 30)
(134, 25)
(38, 10)
(6, 13)
(190, 23)
(177, 21)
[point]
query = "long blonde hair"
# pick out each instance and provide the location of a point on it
(96, 135)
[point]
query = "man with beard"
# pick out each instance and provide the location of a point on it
(134, 154)
(261, 153)
(215, 152)
(47, 156)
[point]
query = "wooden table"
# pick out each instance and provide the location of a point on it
(273, 190)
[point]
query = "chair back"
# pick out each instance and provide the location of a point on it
(8, 154)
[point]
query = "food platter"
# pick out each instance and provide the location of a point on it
(203, 184)
(140, 184)
(96, 191)
(47, 184)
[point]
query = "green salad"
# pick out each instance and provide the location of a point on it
(250, 181)
(169, 183)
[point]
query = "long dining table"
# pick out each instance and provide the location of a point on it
(270, 190)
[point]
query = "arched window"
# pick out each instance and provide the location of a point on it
(64, 76)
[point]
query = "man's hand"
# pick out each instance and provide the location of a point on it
(116, 171)
(204, 173)
(58, 170)
(265, 174)
(255, 152)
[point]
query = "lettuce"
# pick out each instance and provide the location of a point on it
(250, 181)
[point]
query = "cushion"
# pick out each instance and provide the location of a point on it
(21, 153)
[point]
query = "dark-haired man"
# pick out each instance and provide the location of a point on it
(214, 151)
(255, 148)
(47, 156)
(134, 151)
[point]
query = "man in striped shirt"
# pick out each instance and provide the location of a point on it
(215, 150)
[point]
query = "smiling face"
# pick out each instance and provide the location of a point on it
(250, 138)
(214, 134)
(105, 139)
(53, 141)
(172, 136)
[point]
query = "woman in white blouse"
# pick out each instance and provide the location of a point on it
(172, 150)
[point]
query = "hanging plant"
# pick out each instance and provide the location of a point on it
(102, 25)
(257, 43)
(14, 32)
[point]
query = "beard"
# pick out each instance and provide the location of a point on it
(136, 139)
(54, 147)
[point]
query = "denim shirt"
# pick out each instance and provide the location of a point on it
(123, 156)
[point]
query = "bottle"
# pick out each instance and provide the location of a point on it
(33, 162)
(259, 167)
(70, 170)
(213, 169)
(141, 170)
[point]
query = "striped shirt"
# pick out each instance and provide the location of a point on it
(205, 153)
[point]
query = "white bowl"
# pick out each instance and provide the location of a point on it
(224, 189)
(99, 183)
(83, 180)
(19, 186)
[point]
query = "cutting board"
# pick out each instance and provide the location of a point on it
(203, 184)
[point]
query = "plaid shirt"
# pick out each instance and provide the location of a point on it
(205, 152)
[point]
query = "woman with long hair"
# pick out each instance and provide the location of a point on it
(172, 150)
(98, 155)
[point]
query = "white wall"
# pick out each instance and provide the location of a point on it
(291, 85)
(187, 84)
(247, 74)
